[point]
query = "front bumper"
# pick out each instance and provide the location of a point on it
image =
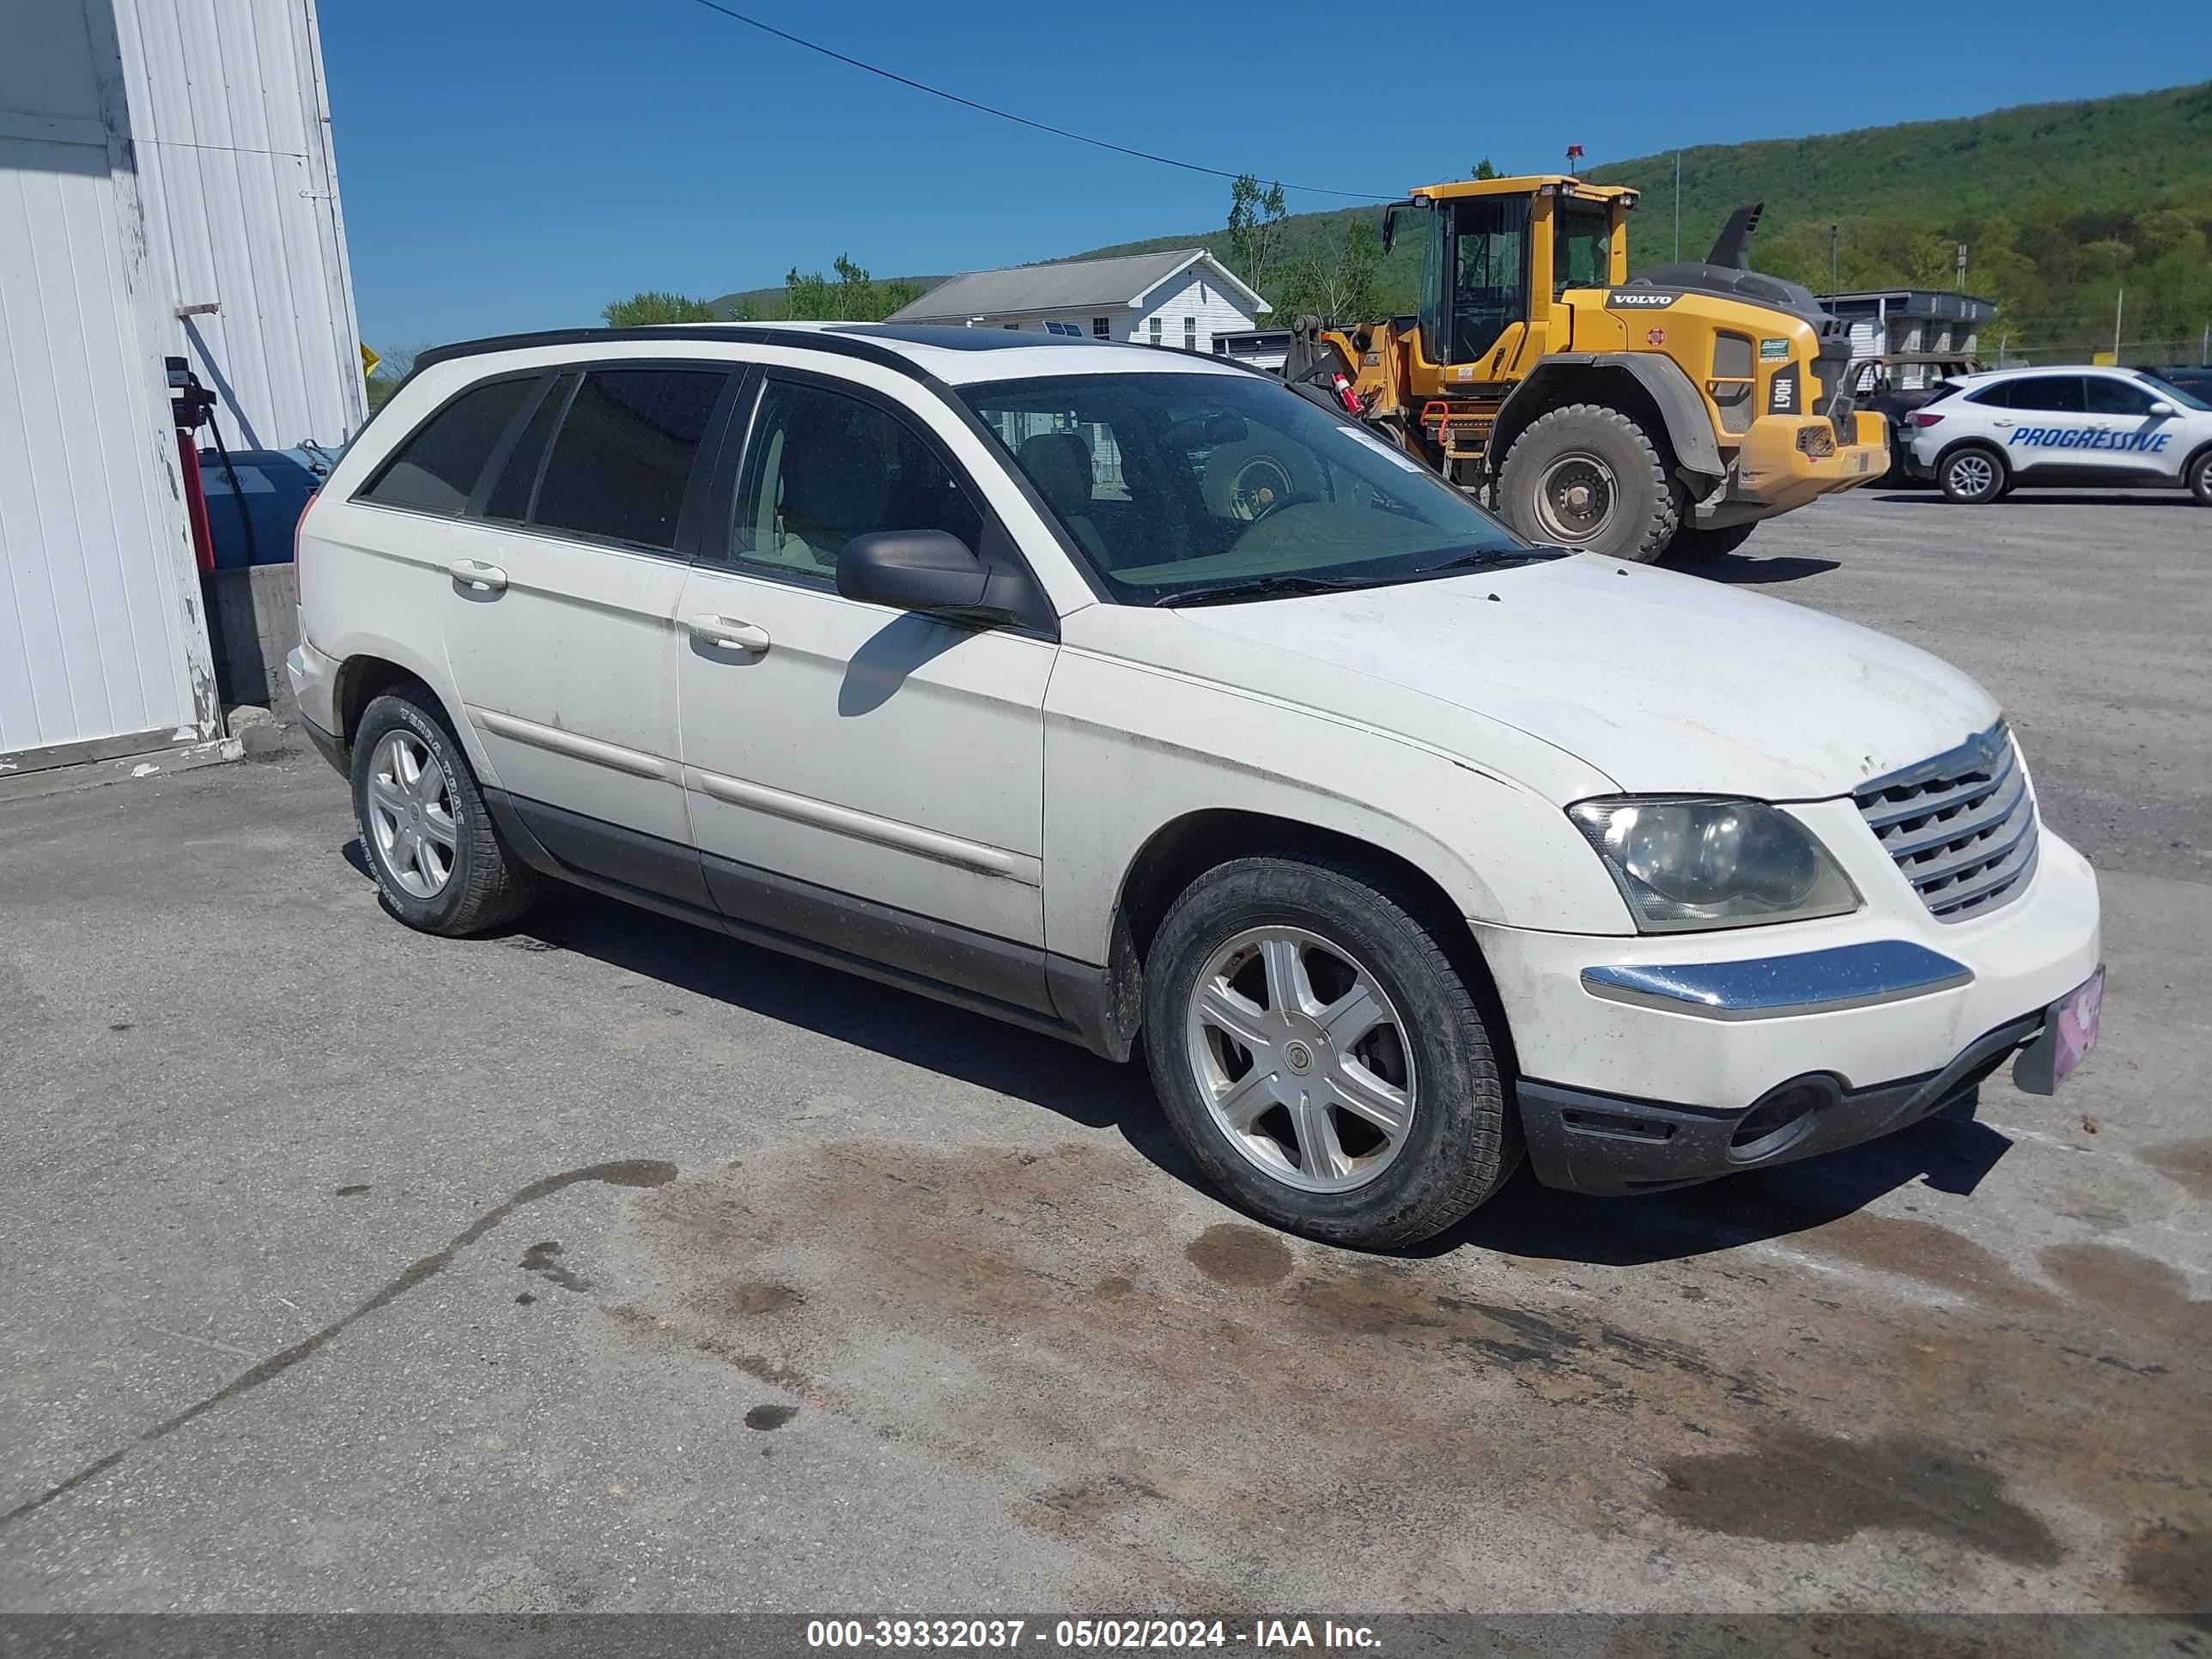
(1773, 475)
(1603, 1144)
(1695, 1029)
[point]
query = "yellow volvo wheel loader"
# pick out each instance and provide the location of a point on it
(1667, 414)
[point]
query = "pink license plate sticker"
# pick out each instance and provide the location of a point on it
(2077, 1025)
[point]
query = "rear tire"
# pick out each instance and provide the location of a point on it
(1345, 999)
(1691, 545)
(437, 857)
(1588, 477)
(2200, 478)
(1973, 474)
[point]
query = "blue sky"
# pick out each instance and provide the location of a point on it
(511, 164)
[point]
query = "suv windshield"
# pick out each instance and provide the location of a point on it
(1179, 488)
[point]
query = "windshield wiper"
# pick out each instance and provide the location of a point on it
(1495, 558)
(1264, 587)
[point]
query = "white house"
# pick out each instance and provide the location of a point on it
(166, 190)
(1181, 298)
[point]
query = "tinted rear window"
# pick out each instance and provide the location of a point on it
(517, 486)
(436, 469)
(624, 454)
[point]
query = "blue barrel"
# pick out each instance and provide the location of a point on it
(273, 488)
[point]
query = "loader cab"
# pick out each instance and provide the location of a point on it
(1496, 255)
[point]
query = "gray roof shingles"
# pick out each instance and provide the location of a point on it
(1075, 286)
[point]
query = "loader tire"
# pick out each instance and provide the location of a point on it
(1587, 477)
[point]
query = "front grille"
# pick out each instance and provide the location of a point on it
(1961, 826)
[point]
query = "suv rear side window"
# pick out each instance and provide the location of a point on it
(2054, 393)
(624, 457)
(435, 469)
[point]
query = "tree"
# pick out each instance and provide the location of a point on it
(1340, 284)
(1255, 230)
(1483, 170)
(854, 297)
(395, 364)
(656, 306)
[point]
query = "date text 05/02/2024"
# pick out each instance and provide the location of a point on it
(1100, 1635)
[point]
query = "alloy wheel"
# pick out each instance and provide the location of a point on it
(1301, 1059)
(410, 814)
(1972, 475)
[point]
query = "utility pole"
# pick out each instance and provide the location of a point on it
(1834, 282)
(1678, 205)
(2204, 349)
(2119, 308)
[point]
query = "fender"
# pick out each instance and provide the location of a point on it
(1689, 425)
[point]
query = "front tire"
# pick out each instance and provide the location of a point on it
(1588, 477)
(438, 858)
(1320, 1057)
(1973, 474)
(2200, 478)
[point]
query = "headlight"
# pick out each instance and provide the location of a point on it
(1690, 862)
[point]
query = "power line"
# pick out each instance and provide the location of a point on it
(1019, 120)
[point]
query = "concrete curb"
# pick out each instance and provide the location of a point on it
(90, 774)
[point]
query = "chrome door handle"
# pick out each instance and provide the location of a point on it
(727, 634)
(475, 573)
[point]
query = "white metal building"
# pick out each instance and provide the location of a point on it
(1181, 298)
(168, 189)
(1892, 321)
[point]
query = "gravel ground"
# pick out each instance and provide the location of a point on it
(607, 1265)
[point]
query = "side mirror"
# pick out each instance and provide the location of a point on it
(925, 570)
(2160, 408)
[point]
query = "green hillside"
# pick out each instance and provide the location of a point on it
(2060, 205)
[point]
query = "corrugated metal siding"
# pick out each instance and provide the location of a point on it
(154, 154)
(233, 147)
(91, 642)
(99, 629)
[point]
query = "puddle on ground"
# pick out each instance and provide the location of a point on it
(1236, 1253)
(1795, 1487)
(2188, 1162)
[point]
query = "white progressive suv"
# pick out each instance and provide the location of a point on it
(1117, 692)
(2111, 428)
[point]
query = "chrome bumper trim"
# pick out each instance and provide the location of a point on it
(1772, 987)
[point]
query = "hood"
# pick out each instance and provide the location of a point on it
(1663, 681)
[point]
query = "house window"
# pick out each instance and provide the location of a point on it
(1156, 330)
(1072, 329)
(1190, 334)
(1102, 328)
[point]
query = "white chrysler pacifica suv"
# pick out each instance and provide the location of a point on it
(1126, 694)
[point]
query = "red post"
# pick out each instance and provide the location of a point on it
(188, 458)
